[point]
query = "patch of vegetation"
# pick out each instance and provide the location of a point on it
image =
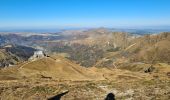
(113, 49)
(22, 52)
(43, 89)
(84, 55)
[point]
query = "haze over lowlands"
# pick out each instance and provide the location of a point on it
(84, 50)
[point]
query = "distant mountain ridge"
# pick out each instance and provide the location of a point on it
(88, 47)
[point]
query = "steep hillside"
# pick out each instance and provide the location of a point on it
(13, 54)
(6, 59)
(151, 49)
(56, 68)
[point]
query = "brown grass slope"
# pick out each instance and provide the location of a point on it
(59, 68)
(50, 67)
(151, 48)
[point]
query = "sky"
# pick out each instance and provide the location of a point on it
(83, 13)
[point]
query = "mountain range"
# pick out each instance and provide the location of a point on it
(88, 63)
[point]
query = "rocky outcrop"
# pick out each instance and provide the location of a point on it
(37, 55)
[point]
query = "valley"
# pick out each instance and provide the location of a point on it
(88, 64)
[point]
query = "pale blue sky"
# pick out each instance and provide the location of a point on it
(83, 13)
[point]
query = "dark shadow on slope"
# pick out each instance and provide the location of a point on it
(58, 97)
(110, 96)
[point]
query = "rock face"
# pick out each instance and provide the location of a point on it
(37, 55)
